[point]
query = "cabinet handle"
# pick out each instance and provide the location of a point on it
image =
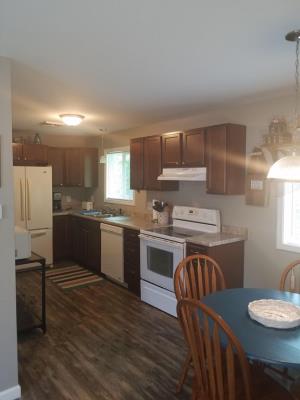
(25, 158)
(28, 201)
(183, 163)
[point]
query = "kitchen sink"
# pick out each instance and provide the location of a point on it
(95, 213)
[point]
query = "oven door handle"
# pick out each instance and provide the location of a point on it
(160, 241)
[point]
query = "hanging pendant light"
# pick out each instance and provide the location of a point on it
(102, 159)
(288, 168)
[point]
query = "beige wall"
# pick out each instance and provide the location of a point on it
(263, 262)
(8, 339)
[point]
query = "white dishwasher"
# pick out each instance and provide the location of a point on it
(112, 260)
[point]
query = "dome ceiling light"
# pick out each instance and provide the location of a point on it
(288, 168)
(72, 119)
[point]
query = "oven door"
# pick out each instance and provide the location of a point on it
(159, 259)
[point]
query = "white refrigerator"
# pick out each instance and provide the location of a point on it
(33, 207)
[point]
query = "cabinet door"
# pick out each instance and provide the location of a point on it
(17, 153)
(193, 148)
(35, 154)
(216, 159)
(152, 166)
(171, 150)
(61, 238)
(94, 249)
(56, 157)
(90, 167)
(76, 251)
(226, 155)
(152, 162)
(73, 167)
(132, 260)
(136, 164)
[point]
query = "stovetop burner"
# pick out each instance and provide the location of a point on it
(174, 231)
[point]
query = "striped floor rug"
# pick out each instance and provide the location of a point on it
(72, 277)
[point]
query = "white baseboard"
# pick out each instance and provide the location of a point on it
(13, 393)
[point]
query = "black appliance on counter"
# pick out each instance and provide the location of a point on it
(57, 200)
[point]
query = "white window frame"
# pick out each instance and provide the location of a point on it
(108, 199)
(280, 223)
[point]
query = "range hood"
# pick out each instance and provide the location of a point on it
(183, 174)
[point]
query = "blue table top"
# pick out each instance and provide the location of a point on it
(269, 345)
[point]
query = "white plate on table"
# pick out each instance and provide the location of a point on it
(275, 313)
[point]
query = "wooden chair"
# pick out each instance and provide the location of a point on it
(289, 272)
(196, 276)
(222, 371)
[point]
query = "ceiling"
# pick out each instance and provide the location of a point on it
(128, 63)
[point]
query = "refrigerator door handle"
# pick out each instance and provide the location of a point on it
(28, 201)
(38, 233)
(21, 200)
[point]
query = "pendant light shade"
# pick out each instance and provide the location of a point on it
(286, 169)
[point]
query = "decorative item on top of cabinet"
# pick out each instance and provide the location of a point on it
(183, 149)
(256, 182)
(230, 258)
(132, 260)
(225, 159)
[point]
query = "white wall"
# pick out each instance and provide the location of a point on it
(8, 339)
(263, 262)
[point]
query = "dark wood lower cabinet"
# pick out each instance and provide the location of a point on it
(61, 238)
(230, 257)
(132, 260)
(77, 239)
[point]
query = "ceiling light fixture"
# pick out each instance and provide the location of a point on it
(72, 119)
(288, 168)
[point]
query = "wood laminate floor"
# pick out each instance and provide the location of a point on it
(102, 343)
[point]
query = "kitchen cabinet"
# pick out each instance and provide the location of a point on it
(132, 260)
(56, 158)
(61, 238)
(193, 148)
(81, 167)
(73, 175)
(183, 149)
(136, 164)
(85, 243)
(171, 149)
(30, 154)
(230, 258)
(153, 165)
(225, 159)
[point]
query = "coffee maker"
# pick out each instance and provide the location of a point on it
(57, 197)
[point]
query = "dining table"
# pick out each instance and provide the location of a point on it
(280, 347)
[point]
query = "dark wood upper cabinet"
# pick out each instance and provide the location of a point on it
(74, 174)
(225, 159)
(17, 152)
(171, 149)
(136, 164)
(30, 154)
(193, 148)
(153, 165)
(183, 149)
(56, 158)
(90, 167)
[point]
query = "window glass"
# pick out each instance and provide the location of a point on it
(117, 179)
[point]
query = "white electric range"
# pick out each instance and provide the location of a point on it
(163, 248)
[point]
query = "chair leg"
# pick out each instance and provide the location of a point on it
(184, 372)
